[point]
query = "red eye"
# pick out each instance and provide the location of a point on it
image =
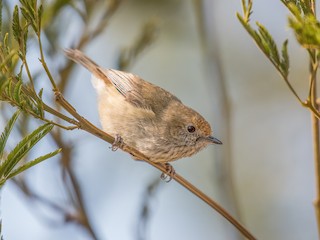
(191, 129)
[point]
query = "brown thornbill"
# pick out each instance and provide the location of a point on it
(145, 116)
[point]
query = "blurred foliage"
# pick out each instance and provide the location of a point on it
(306, 27)
(146, 37)
(36, 25)
(10, 161)
(15, 92)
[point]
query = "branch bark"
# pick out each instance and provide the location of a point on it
(220, 103)
(315, 134)
(90, 128)
(314, 64)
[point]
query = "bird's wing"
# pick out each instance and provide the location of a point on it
(135, 90)
(129, 85)
(139, 92)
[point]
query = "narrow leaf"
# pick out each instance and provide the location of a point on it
(16, 28)
(17, 92)
(8, 58)
(31, 105)
(5, 44)
(29, 18)
(249, 11)
(295, 10)
(40, 11)
(8, 89)
(6, 132)
(25, 40)
(269, 43)
(40, 103)
(23, 147)
(250, 30)
(284, 65)
(30, 164)
(29, 5)
(306, 6)
(29, 11)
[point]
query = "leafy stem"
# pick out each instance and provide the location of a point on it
(44, 64)
(25, 97)
(306, 28)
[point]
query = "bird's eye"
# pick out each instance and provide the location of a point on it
(191, 129)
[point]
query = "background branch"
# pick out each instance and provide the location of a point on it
(39, 108)
(90, 128)
(216, 82)
(305, 25)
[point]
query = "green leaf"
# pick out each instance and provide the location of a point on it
(3, 83)
(284, 64)
(8, 58)
(29, 18)
(16, 28)
(8, 89)
(5, 44)
(293, 8)
(255, 35)
(298, 7)
(6, 132)
(307, 31)
(25, 40)
(306, 6)
(30, 164)
(247, 10)
(250, 30)
(30, 12)
(40, 103)
(265, 42)
(30, 6)
(32, 105)
(22, 148)
(269, 43)
(40, 93)
(40, 11)
(17, 91)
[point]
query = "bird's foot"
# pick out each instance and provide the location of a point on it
(169, 174)
(118, 142)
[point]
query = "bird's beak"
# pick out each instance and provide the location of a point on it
(213, 140)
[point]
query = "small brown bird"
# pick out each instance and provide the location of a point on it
(145, 116)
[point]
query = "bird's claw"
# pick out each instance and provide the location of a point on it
(118, 142)
(169, 174)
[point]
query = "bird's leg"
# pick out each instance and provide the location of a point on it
(169, 174)
(117, 143)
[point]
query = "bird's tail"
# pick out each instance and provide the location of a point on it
(79, 57)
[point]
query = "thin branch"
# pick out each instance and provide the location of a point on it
(29, 92)
(73, 187)
(313, 7)
(314, 64)
(44, 64)
(24, 60)
(87, 36)
(311, 101)
(216, 82)
(82, 213)
(90, 128)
